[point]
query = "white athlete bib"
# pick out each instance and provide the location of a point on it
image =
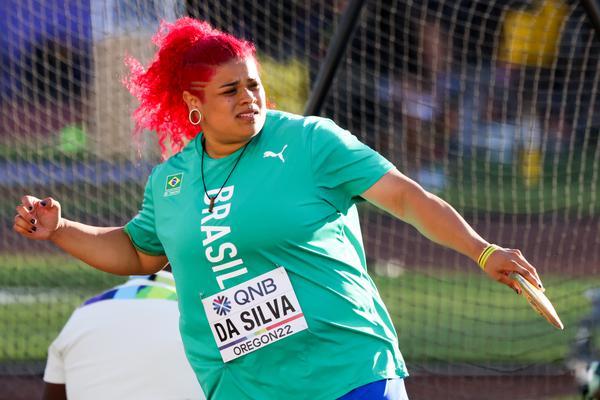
(254, 314)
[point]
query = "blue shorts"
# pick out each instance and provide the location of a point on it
(385, 389)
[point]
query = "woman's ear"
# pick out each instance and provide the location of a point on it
(191, 100)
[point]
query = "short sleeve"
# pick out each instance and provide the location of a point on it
(343, 167)
(142, 228)
(55, 366)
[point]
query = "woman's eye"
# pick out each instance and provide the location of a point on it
(232, 91)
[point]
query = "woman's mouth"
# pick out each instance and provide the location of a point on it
(247, 116)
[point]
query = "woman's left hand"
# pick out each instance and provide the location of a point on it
(503, 262)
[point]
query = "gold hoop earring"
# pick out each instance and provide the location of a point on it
(190, 116)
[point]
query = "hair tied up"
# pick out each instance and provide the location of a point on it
(188, 50)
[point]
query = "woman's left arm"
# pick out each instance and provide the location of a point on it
(438, 221)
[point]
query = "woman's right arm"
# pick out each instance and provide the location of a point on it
(107, 249)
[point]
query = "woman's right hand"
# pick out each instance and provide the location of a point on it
(37, 219)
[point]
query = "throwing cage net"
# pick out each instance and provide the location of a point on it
(492, 105)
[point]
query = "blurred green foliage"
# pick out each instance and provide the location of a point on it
(286, 84)
(568, 182)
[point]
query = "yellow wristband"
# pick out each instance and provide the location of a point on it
(485, 254)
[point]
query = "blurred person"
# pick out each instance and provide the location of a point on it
(426, 96)
(576, 73)
(529, 136)
(530, 43)
(497, 127)
(590, 382)
(123, 344)
(528, 50)
(530, 36)
(584, 356)
(527, 53)
(257, 216)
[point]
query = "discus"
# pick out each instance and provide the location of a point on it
(538, 301)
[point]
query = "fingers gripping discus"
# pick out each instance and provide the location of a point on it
(538, 301)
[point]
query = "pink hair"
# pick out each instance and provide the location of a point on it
(189, 51)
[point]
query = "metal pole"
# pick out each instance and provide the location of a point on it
(592, 8)
(335, 52)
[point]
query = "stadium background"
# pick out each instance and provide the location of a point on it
(491, 104)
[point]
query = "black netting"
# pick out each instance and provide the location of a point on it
(492, 105)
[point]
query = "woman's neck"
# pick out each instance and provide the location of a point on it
(216, 149)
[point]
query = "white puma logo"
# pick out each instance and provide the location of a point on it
(275, 155)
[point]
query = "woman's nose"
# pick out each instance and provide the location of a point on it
(248, 96)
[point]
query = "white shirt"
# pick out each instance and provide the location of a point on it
(123, 348)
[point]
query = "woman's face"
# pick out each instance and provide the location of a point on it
(233, 109)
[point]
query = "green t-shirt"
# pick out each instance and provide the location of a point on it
(290, 202)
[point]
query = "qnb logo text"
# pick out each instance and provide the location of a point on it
(252, 292)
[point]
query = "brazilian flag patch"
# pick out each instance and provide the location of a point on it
(173, 184)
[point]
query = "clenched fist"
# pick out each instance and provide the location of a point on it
(37, 218)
